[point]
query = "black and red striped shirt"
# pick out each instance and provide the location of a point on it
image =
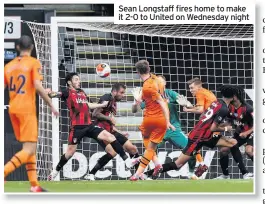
(110, 109)
(76, 100)
(216, 113)
(242, 117)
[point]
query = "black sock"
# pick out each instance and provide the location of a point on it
(224, 162)
(192, 163)
(149, 173)
(166, 167)
(62, 162)
(118, 148)
(250, 157)
(134, 155)
(238, 159)
(169, 166)
(101, 163)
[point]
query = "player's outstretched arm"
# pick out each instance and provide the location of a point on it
(195, 110)
(246, 133)
(220, 128)
(137, 94)
(183, 101)
(137, 106)
(97, 105)
(41, 91)
(53, 94)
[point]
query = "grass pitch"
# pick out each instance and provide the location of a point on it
(170, 186)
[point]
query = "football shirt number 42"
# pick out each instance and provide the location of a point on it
(17, 84)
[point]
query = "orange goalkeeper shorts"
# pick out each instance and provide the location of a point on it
(154, 129)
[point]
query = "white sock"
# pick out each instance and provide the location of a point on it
(156, 162)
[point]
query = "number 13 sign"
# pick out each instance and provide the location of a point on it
(12, 27)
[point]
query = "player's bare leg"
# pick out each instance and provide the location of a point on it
(249, 151)
(226, 142)
(131, 149)
(71, 149)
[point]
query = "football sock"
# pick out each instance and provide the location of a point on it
(32, 171)
(155, 159)
(238, 159)
(192, 163)
(147, 157)
(166, 167)
(16, 161)
(224, 162)
(62, 162)
(136, 155)
(251, 157)
(118, 148)
(101, 163)
(199, 158)
(146, 142)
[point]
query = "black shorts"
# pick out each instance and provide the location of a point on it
(194, 146)
(120, 138)
(241, 141)
(78, 132)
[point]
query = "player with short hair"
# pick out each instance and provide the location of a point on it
(177, 138)
(204, 99)
(203, 132)
(23, 78)
(105, 119)
(81, 125)
(241, 117)
(156, 117)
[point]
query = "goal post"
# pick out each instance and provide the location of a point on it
(218, 54)
(55, 87)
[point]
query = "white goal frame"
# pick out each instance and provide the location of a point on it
(55, 22)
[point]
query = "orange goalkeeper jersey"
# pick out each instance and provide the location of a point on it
(204, 98)
(19, 76)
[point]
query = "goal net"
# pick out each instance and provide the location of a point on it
(217, 54)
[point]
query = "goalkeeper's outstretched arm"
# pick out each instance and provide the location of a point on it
(137, 94)
(137, 107)
(183, 101)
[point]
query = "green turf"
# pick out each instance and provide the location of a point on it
(139, 186)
